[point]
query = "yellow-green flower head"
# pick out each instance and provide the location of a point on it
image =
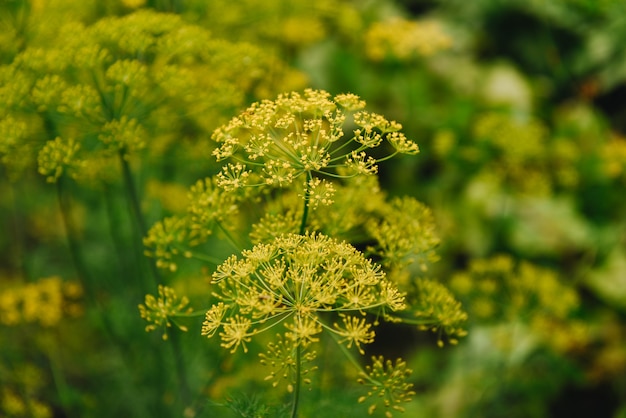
(160, 311)
(124, 134)
(208, 207)
(56, 157)
(296, 281)
(174, 77)
(387, 384)
(297, 134)
(437, 304)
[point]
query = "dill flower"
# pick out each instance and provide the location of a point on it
(437, 305)
(164, 241)
(56, 157)
(208, 208)
(296, 281)
(160, 311)
(298, 135)
(387, 384)
(614, 157)
(17, 153)
(123, 80)
(10, 300)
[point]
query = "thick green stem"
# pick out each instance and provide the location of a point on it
(298, 382)
(143, 230)
(298, 377)
(305, 212)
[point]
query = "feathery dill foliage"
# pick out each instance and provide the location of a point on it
(319, 265)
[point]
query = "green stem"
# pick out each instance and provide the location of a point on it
(132, 193)
(74, 246)
(135, 206)
(298, 377)
(296, 389)
(114, 231)
(305, 212)
(141, 222)
(58, 379)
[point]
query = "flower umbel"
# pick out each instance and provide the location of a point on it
(298, 282)
(388, 382)
(160, 311)
(293, 281)
(299, 134)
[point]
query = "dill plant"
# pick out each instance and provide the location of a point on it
(320, 251)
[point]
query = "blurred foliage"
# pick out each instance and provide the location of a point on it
(106, 116)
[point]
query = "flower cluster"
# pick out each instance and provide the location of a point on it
(286, 24)
(518, 147)
(296, 136)
(56, 157)
(209, 207)
(112, 85)
(296, 281)
(17, 153)
(388, 384)
(292, 170)
(405, 234)
(281, 358)
(440, 310)
(160, 311)
(614, 157)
